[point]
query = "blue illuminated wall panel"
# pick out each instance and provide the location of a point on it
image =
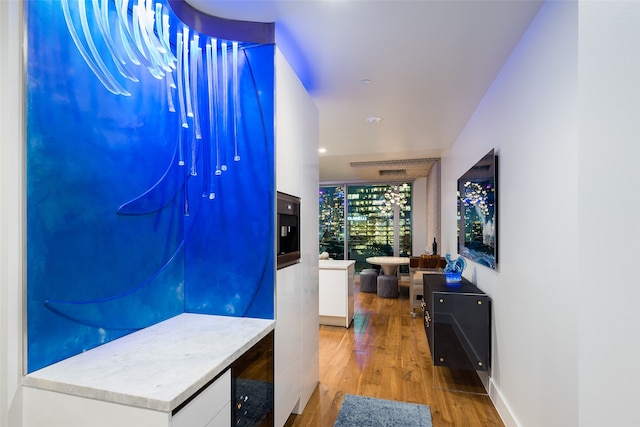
(229, 252)
(127, 221)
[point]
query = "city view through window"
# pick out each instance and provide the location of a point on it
(378, 221)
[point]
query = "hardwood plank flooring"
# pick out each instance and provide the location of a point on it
(385, 354)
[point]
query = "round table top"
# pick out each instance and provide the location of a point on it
(388, 260)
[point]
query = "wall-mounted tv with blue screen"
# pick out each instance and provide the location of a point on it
(477, 212)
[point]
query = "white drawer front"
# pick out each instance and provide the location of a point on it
(223, 419)
(206, 407)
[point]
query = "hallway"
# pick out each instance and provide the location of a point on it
(384, 354)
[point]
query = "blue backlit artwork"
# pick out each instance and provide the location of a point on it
(150, 174)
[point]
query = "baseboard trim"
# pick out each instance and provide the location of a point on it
(505, 412)
(334, 321)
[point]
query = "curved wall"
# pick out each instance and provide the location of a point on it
(149, 186)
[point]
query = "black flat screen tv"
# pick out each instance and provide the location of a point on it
(477, 212)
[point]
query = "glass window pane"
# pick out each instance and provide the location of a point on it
(370, 231)
(332, 221)
(378, 221)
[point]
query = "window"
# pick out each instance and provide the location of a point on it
(332, 221)
(378, 221)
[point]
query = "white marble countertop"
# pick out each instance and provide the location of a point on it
(158, 367)
(331, 264)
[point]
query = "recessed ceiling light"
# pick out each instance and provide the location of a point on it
(365, 81)
(322, 150)
(374, 119)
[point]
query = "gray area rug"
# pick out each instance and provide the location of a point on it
(367, 411)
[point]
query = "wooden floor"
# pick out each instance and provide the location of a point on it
(385, 354)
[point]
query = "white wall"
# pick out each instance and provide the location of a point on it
(529, 116)
(425, 207)
(609, 158)
(434, 199)
(11, 213)
(418, 216)
(296, 339)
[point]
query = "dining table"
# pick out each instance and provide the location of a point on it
(389, 264)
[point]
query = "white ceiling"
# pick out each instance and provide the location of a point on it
(429, 64)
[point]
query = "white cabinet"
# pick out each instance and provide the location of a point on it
(175, 373)
(297, 165)
(287, 341)
(210, 408)
(58, 409)
(336, 304)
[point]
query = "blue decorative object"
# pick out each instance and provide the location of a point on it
(453, 270)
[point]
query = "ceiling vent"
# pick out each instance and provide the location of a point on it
(403, 169)
(392, 172)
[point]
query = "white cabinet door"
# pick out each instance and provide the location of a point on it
(206, 406)
(287, 342)
(223, 419)
(333, 293)
(46, 408)
(336, 296)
